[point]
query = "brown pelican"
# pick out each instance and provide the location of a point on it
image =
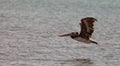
(86, 31)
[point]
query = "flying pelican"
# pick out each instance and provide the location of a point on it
(86, 31)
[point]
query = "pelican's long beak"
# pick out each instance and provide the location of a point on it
(64, 35)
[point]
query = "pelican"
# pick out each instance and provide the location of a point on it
(86, 31)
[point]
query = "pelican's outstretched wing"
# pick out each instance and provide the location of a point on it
(87, 27)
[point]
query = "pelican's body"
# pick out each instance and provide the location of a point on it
(86, 31)
(82, 40)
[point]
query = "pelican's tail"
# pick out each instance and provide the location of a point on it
(94, 42)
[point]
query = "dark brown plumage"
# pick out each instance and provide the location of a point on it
(86, 31)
